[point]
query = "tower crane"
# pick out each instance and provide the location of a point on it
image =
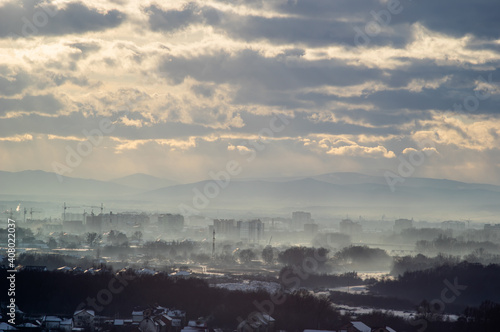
(67, 207)
(94, 206)
(33, 211)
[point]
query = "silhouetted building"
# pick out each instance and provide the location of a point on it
(453, 225)
(171, 222)
(251, 231)
(73, 216)
(93, 223)
(347, 226)
(299, 219)
(402, 224)
(311, 229)
(116, 221)
(73, 226)
(492, 228)
(226, 228)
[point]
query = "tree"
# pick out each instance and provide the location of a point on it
(268, 254)
(137, 236)
(297, 256)
(52, 243)
(92, 239)
(117, 238)
(246, 256)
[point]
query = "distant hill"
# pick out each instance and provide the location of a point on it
(340, 192)
(144, 182)
(333, 193)
(47, 184)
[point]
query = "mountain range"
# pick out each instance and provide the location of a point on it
(332, 192)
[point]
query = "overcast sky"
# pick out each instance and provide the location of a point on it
(342, 85)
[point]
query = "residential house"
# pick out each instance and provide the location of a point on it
(66, 325)
(84, 318)
(257, 323)
(383, 329)
(356, 327)
(51, 323)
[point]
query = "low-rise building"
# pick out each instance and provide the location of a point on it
(84, 318)
(402, 224)
(347, 226)
(258, 323)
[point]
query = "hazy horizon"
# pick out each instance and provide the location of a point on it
(184, 88)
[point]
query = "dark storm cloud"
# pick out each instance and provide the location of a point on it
(453, 17)
(173, 20)
(275, 81)
(31, 18)
(311, 31)
(74, 123)
(43, 103)
(457, 18)
(326, 22)
(247, 68)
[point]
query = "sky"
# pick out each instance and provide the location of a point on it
(175, 89)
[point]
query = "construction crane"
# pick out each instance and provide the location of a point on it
(33, 211)
(67, 207)
(97, 207)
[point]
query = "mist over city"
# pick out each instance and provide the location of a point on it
(249, 166)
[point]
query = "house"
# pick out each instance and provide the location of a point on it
(178, 318)
(199, 325)
(164, 323)
(64, 269)
(137, 316)
(148, 325)
(51, 323)
(66, 325)
(84, 318)
(383, 329)
(356, 327)
(257, 323)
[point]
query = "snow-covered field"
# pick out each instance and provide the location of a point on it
(250, 286)
(352, 289)
(344, 309)
(272, 287)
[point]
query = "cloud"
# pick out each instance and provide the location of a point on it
(31, 18)
(311, 30)
(363, 151)
(13, 80)
(46, 104)
(17, 138)
(249, 67)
